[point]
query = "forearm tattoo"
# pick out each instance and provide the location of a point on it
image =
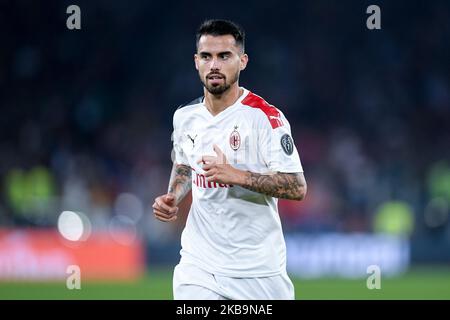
(279, 185)
(180, 181)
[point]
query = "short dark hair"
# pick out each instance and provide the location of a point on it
(218, 27)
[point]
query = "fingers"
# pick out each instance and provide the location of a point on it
(212, 175)
(209, 173)
(207, 167)
(219, 159)
(207, 159)
(164, 217)
(161, 206)
(162, 209)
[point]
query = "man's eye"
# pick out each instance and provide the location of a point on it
(205, 57)
(225, 56)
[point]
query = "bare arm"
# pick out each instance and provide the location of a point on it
(290, 186)
(165, 206)
(180, 181)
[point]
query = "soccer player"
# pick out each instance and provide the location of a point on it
(235, 151)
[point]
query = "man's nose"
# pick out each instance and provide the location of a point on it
(215, 64)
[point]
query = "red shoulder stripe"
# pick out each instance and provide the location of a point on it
(254, 101)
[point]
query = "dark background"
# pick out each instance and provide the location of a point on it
(86, 115)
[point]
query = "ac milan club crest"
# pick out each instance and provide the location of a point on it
(235, 139)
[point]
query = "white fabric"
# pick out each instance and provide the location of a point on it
(192, 283)
(232, 231)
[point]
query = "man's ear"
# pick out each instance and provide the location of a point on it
(244, 61)
(196, 61)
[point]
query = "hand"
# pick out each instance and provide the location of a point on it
(165, 208)
(217, 169)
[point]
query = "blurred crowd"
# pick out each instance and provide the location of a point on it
(86, 115)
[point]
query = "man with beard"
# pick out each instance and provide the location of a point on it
(236, 153)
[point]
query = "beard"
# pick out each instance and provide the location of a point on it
(219, 89)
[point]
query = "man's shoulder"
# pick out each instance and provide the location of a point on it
(193, 103)
(186, 108)
(264, 109)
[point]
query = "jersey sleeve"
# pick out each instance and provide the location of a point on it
(178, 155)
(277, 146)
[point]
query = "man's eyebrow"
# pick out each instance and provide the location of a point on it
(204, 53)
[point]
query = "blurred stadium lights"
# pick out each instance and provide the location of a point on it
(74, 226)
(438, 180)
(129, 205)
(346, 255)
(38, 254)
(122, 229)
(395, 218)
(436, 213)
(31, 193)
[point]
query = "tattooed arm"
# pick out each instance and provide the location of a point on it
(290, 186)
(165, 207)
(180, 181)
(279, 185)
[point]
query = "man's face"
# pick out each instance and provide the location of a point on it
(219, 62)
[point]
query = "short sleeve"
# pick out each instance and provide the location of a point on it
(277, 146)
(178, 154)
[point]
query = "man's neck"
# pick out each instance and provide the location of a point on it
(217, 103)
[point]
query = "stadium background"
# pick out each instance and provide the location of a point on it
(86, 122)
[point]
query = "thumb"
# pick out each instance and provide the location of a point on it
(170, 197)
(220, 155)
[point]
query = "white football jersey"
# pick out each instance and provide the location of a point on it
(230, 230)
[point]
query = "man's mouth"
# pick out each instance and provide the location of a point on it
(215, 77)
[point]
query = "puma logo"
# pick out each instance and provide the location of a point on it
(192, 139)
